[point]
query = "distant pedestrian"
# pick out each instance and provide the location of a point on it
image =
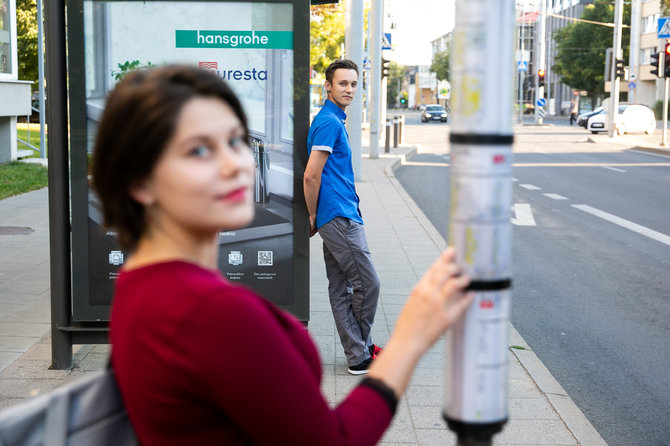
(200, 360)
(333, 205)
(574, 110)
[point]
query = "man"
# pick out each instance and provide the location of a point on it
(574, 109)
(332, 202)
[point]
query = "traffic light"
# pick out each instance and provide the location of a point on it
(385, 67)
(658, 64)
(540, 78)
(666, 54)
(620, 71)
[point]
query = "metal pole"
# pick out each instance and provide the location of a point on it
(521, 56)
(633, 54)
(396, 125)
(40, 82)
(479, 220)
(375, 76)
(59, 194)
(616, 54)
(387, 139)
(354, 51)
(541, 60)
(666, 82)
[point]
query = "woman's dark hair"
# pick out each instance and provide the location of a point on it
(336, 65)
(139, 119)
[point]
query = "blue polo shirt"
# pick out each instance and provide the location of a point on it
(337, 195)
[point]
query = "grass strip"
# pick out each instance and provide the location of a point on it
(17, 178)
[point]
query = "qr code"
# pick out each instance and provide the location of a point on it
(265, 258)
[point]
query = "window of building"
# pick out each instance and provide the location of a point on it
(645, 55)
(649, 23)
(7, 37)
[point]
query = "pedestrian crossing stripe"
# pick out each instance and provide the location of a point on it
(664, 27)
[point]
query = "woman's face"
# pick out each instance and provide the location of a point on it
(203, 179)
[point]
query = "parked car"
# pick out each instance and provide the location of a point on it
(434, 112)
(632, 118)
(583, 119)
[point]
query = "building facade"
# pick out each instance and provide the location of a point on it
(641, 86)
(559, 13)
(15, 94)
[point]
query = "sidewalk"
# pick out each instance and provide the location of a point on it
(403, 244)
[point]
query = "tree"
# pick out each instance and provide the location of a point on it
(440, 65)
(580, 59)
(327, 28)
(665, 7)
(394, 83)
(326, 35)
(26, 39)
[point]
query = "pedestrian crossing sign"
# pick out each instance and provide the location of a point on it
(386, 41)
(663, 27)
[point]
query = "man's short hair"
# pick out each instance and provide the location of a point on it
(336, 65)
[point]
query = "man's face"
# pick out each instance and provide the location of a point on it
(341, 91)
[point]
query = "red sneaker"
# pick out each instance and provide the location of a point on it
(375, 350)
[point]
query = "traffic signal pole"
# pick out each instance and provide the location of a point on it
(666, 74)
(660, 63)
(615, 81)
(541, 59)
(354, 51)
(664, 141)
(481, 138)
(375, 46)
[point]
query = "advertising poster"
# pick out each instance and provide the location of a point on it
(250, 46)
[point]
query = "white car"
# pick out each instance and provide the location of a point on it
(631, 118)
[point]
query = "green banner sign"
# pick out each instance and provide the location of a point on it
(234, 39)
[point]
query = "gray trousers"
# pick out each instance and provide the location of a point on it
(353, 285)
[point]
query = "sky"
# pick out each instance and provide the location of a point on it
(417, 23)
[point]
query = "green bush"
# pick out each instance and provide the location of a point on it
(658, 110)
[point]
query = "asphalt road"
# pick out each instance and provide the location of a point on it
(591, 289)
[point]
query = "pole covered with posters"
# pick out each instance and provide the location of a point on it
(481, 137)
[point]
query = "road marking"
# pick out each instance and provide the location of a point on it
(659, 237)
(524, 216)
(593, 164)
(613, 168)
(425, 164)
(555, 196)
(530, 187)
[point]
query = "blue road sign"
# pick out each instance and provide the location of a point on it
(632, 85)
(386, 41)
(663, 27)
(522, 65)
(541, 102)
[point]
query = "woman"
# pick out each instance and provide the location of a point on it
(198, 359)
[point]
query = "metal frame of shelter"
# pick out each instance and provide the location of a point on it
(65, 115)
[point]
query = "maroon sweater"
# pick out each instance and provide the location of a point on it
(201, 361)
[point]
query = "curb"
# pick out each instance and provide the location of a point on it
(573, 418)
(657, 151)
